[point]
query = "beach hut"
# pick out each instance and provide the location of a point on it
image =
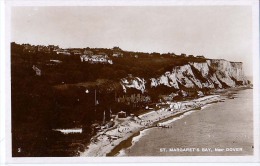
(121, 114)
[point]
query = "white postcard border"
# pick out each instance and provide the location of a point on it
(35, 160)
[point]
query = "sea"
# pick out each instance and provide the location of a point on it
(218, 129)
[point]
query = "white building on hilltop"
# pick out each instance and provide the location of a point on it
(96, 59)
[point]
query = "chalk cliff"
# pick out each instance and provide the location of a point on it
(230, 73)
(212, 74)
(133, 82)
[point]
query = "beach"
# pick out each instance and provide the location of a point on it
(110, 141)
(219, 129)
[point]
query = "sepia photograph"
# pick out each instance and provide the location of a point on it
(132, 81)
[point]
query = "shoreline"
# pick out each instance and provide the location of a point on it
(127, 128)
(125, 144)
(128, 142)
(207, 130)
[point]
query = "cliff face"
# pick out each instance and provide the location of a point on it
(179, 75)
(133, 82)
(215, 73)
(211, 80)
(230, 73)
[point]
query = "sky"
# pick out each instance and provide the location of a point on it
(218, 32)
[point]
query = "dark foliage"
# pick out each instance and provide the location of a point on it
(57, 98)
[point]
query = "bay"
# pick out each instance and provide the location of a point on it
(225, 125)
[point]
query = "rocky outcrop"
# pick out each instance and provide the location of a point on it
(214, 73)
(168, 79)
(133, 82)
(179, 75)
(211, 79)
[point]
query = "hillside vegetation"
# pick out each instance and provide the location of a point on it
(63, 95)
